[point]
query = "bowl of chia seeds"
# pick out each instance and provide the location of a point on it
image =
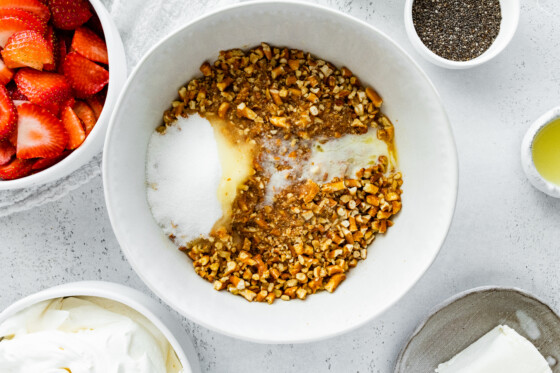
(459, 34)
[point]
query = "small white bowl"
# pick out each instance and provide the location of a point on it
(134, 299)
(94, 142)
(427, 159)
(508, 26)
(531, 171)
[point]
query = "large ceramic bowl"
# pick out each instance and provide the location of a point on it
(426, 149)
(141, 303)
(94, 141)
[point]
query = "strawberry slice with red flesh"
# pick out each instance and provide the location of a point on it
(89, 45)
(14, 92)
(8, 114)
(6, 74)
(62, 52)
(43, 163)
(74, 128)
(16, 169)
(32, 6)
(7, 151)
(35, 23)
(56, 108)
(27, 48)
(69, 14)
(13, 136)
(86, 77)
(14, 20)
(50, 90)
(96, 104)
(40, 133)
(52, 42)
(86, 114)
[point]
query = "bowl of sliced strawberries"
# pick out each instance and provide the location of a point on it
(62, 66)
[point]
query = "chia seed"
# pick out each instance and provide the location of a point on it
(457, 30)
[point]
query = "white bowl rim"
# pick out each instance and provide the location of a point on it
(454, 179)
(106, 290)
(529, 167)
(71, 162)
(456, 297)
(450, 64)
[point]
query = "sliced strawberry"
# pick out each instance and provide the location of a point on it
(56, 108)
(27, 48)
(86, 77)
(16, 169)
(61, 52)
(74, 128)
(69, 14)
(35, 23)
(50, 90)
(52, 42)
(89, 45)
(7, 151)
(96, 104)
(19, 102)
(32, 6)
(8, 114)
(15, 93)
(13, 137)
(53, 108)
(86, 114)
(5, 74)
(43, 163)
(8, 27)
(40, 134)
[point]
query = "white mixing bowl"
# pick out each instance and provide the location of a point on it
(427, 158)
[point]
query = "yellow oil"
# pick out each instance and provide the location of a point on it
(546, 152)
(236, 158)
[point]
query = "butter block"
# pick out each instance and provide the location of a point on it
(501, 350)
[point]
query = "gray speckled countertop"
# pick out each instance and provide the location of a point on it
(504, 231)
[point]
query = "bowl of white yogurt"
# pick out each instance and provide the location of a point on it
(93, 327)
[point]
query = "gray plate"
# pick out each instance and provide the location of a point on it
(466, 317)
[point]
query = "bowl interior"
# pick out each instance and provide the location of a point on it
(426, 150)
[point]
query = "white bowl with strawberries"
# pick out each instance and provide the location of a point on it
(62, 66)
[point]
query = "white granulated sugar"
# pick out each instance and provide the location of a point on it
(183, 174)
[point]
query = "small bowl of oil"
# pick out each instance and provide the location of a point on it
(540, 153)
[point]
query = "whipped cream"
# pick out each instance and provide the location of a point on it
(83, 335)
(501, 350)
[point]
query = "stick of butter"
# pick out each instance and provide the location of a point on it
(501, 350)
